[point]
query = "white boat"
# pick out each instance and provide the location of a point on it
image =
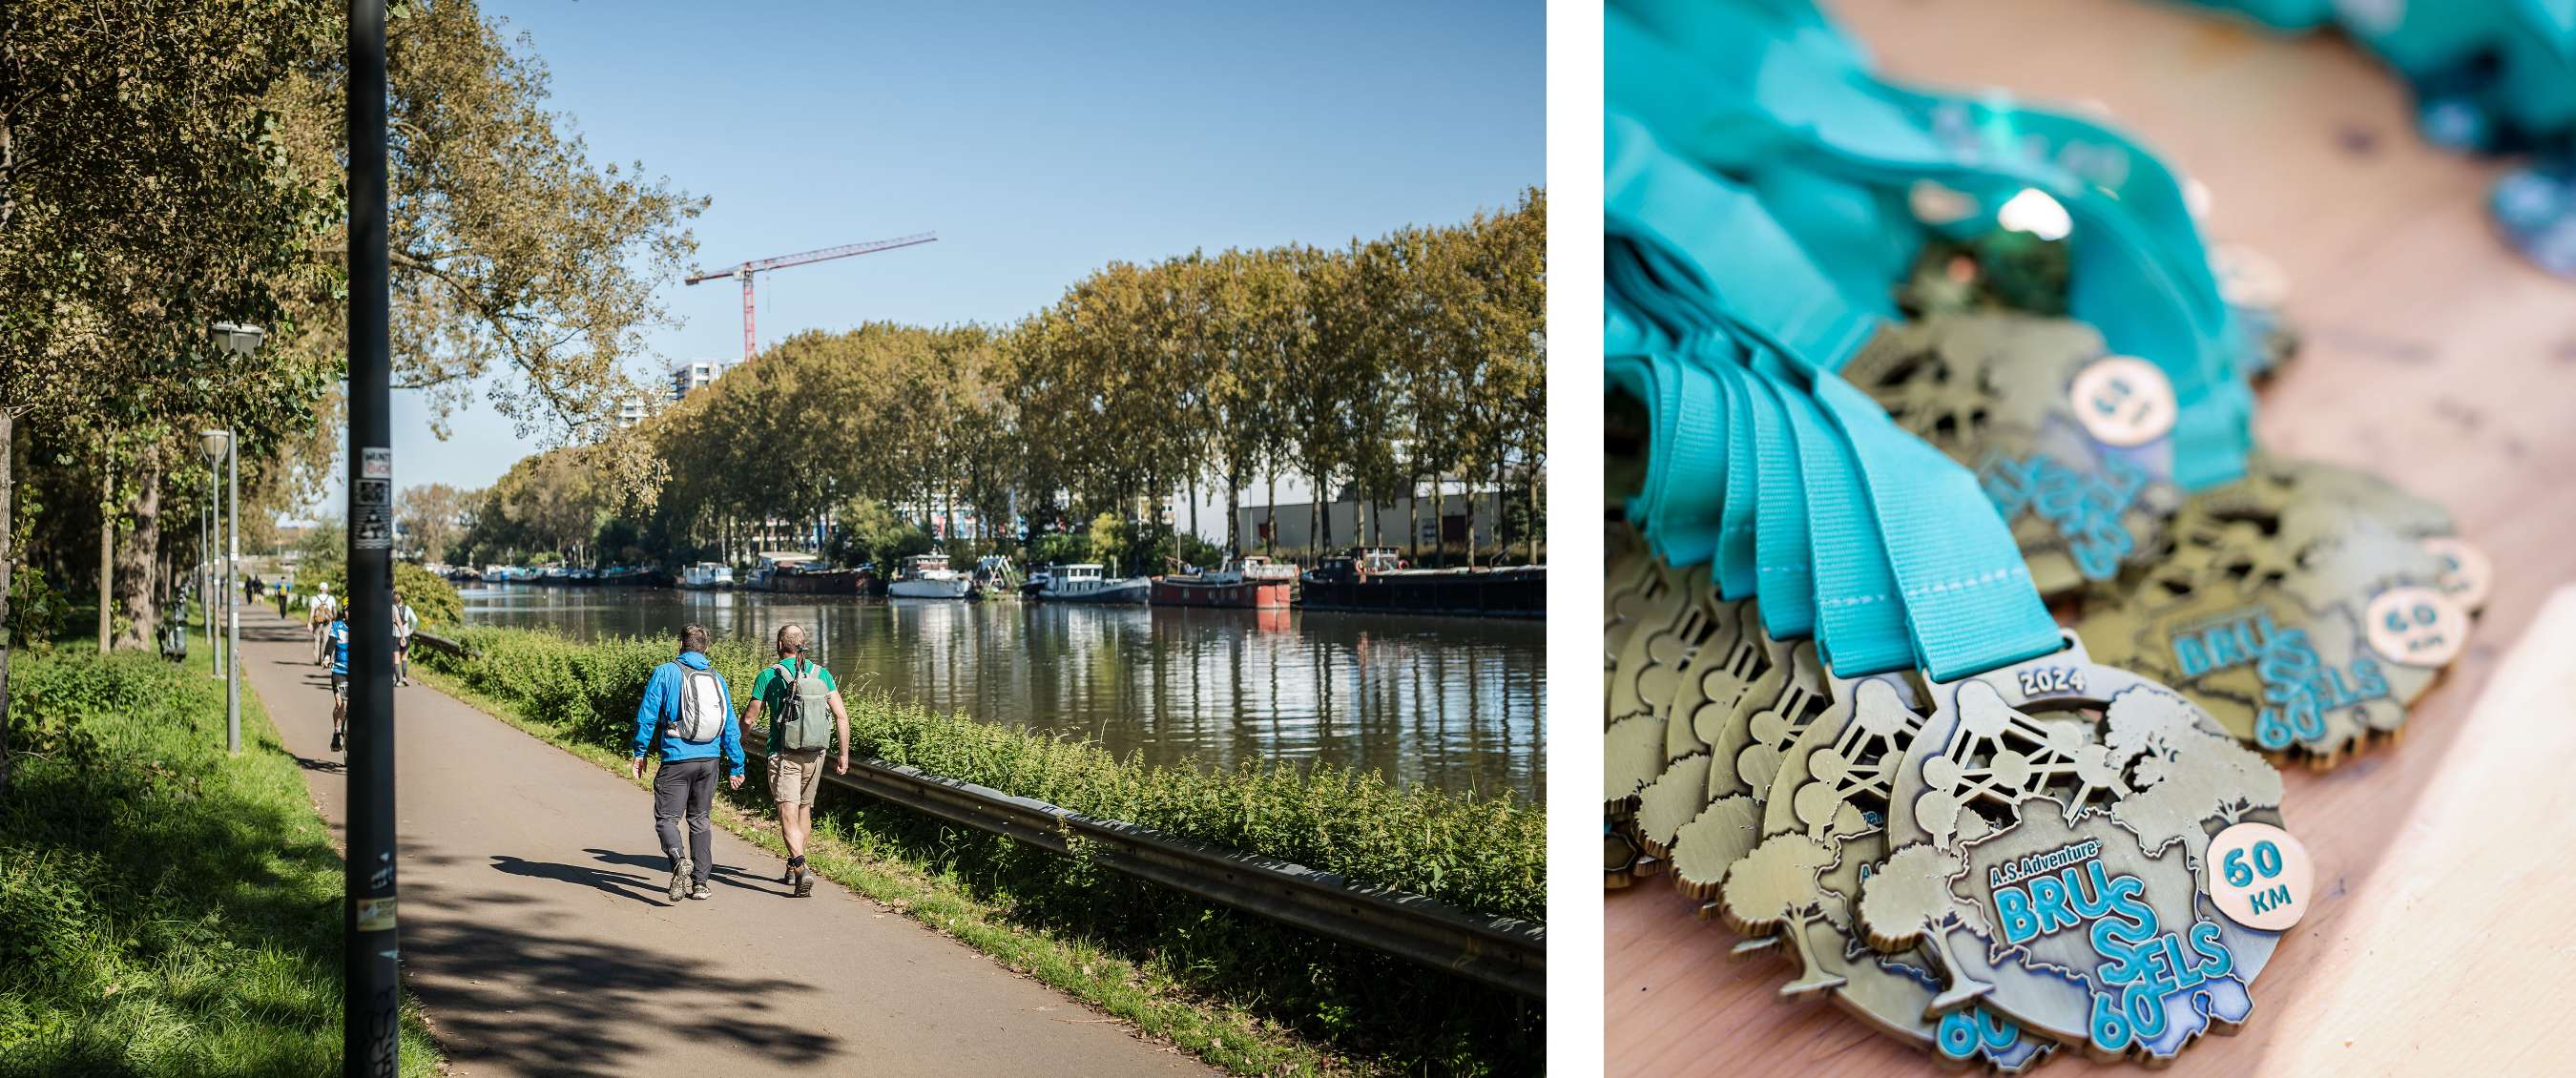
(927, 576)
(707, 574)
(1085, 584)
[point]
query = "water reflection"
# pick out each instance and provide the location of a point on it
(1456, 703)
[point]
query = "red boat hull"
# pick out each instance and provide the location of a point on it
(1248, 595)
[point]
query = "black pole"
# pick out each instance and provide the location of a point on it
(372, 1007)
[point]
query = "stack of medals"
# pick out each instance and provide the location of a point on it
(2014, 836)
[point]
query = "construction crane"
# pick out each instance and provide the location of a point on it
(745, 271)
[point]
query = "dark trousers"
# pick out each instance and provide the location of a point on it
(688, 786)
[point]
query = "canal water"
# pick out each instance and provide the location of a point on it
(1454, 703)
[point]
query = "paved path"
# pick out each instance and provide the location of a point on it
(535, 931)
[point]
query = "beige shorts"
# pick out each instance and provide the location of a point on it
(794, 775)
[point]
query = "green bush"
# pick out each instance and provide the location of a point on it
(1485, 854)
(430, 595)
(37, 613)
(165, 908)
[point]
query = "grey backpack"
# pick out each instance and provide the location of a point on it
(804, 718)
(702, 707)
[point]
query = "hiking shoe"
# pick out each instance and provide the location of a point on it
(335, 740)
(804, 882)
(679, 878)
(701, 892)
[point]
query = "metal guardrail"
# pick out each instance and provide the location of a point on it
(1504, 952)
(441, 644)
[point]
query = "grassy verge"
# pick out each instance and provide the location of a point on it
(1242, 993)
(164, 908)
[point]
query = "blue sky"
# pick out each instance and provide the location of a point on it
(1039, 140)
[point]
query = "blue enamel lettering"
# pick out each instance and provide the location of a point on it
(2013, 909)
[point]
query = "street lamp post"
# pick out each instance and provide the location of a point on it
(236, 340)
(206, 570)
(220, 443)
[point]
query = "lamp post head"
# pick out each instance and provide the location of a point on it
(240, 339)
(212, 443)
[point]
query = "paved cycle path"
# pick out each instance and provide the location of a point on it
(535, 932)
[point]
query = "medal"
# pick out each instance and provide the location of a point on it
(2049, 829)
(1823, 823)
(2070, 442)
(2294, 607)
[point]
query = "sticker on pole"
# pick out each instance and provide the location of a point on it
(375, 914)
(371, 501)
(2263, 876)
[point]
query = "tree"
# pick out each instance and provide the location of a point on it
(1775, 889)
(434, 516)
(511, 252)
(2186, 772)
(1908, 900)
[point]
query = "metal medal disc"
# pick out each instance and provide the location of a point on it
(1663, 777)
(2049, 833)
(1757, 703)
(1715, 633)
(1823, 836)
(2256, 613)
(1633, 745)
(2069, 442)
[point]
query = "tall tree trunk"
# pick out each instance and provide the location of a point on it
(135, 563)
(1502, 514)
(106, 559)
(1177, 548)
(8, 571)
(1234, 513)
(1536, 518)
(1270, 518)
(1413, 520)
(1465, 472)
(1440, 517)
(1319, 517)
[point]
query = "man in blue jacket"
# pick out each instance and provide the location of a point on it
(687, 715)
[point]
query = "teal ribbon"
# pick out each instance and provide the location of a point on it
(1910, 566)
(1745, 90)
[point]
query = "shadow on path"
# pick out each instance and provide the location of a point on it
(543, 1003)
(725, 874)
(621, 884)
(310, 764)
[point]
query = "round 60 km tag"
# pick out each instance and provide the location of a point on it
(2417, 626)
(2260, 876)
(2123, 401)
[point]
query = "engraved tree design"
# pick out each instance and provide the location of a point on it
(1772, 730)
(1723, 834)
(1776, 886)
(1907, 901)
(2186, 773)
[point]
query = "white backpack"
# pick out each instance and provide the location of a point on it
(702, 707)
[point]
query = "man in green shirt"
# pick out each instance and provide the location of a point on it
(795, 773)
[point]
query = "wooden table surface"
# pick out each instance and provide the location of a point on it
(2444, 940)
